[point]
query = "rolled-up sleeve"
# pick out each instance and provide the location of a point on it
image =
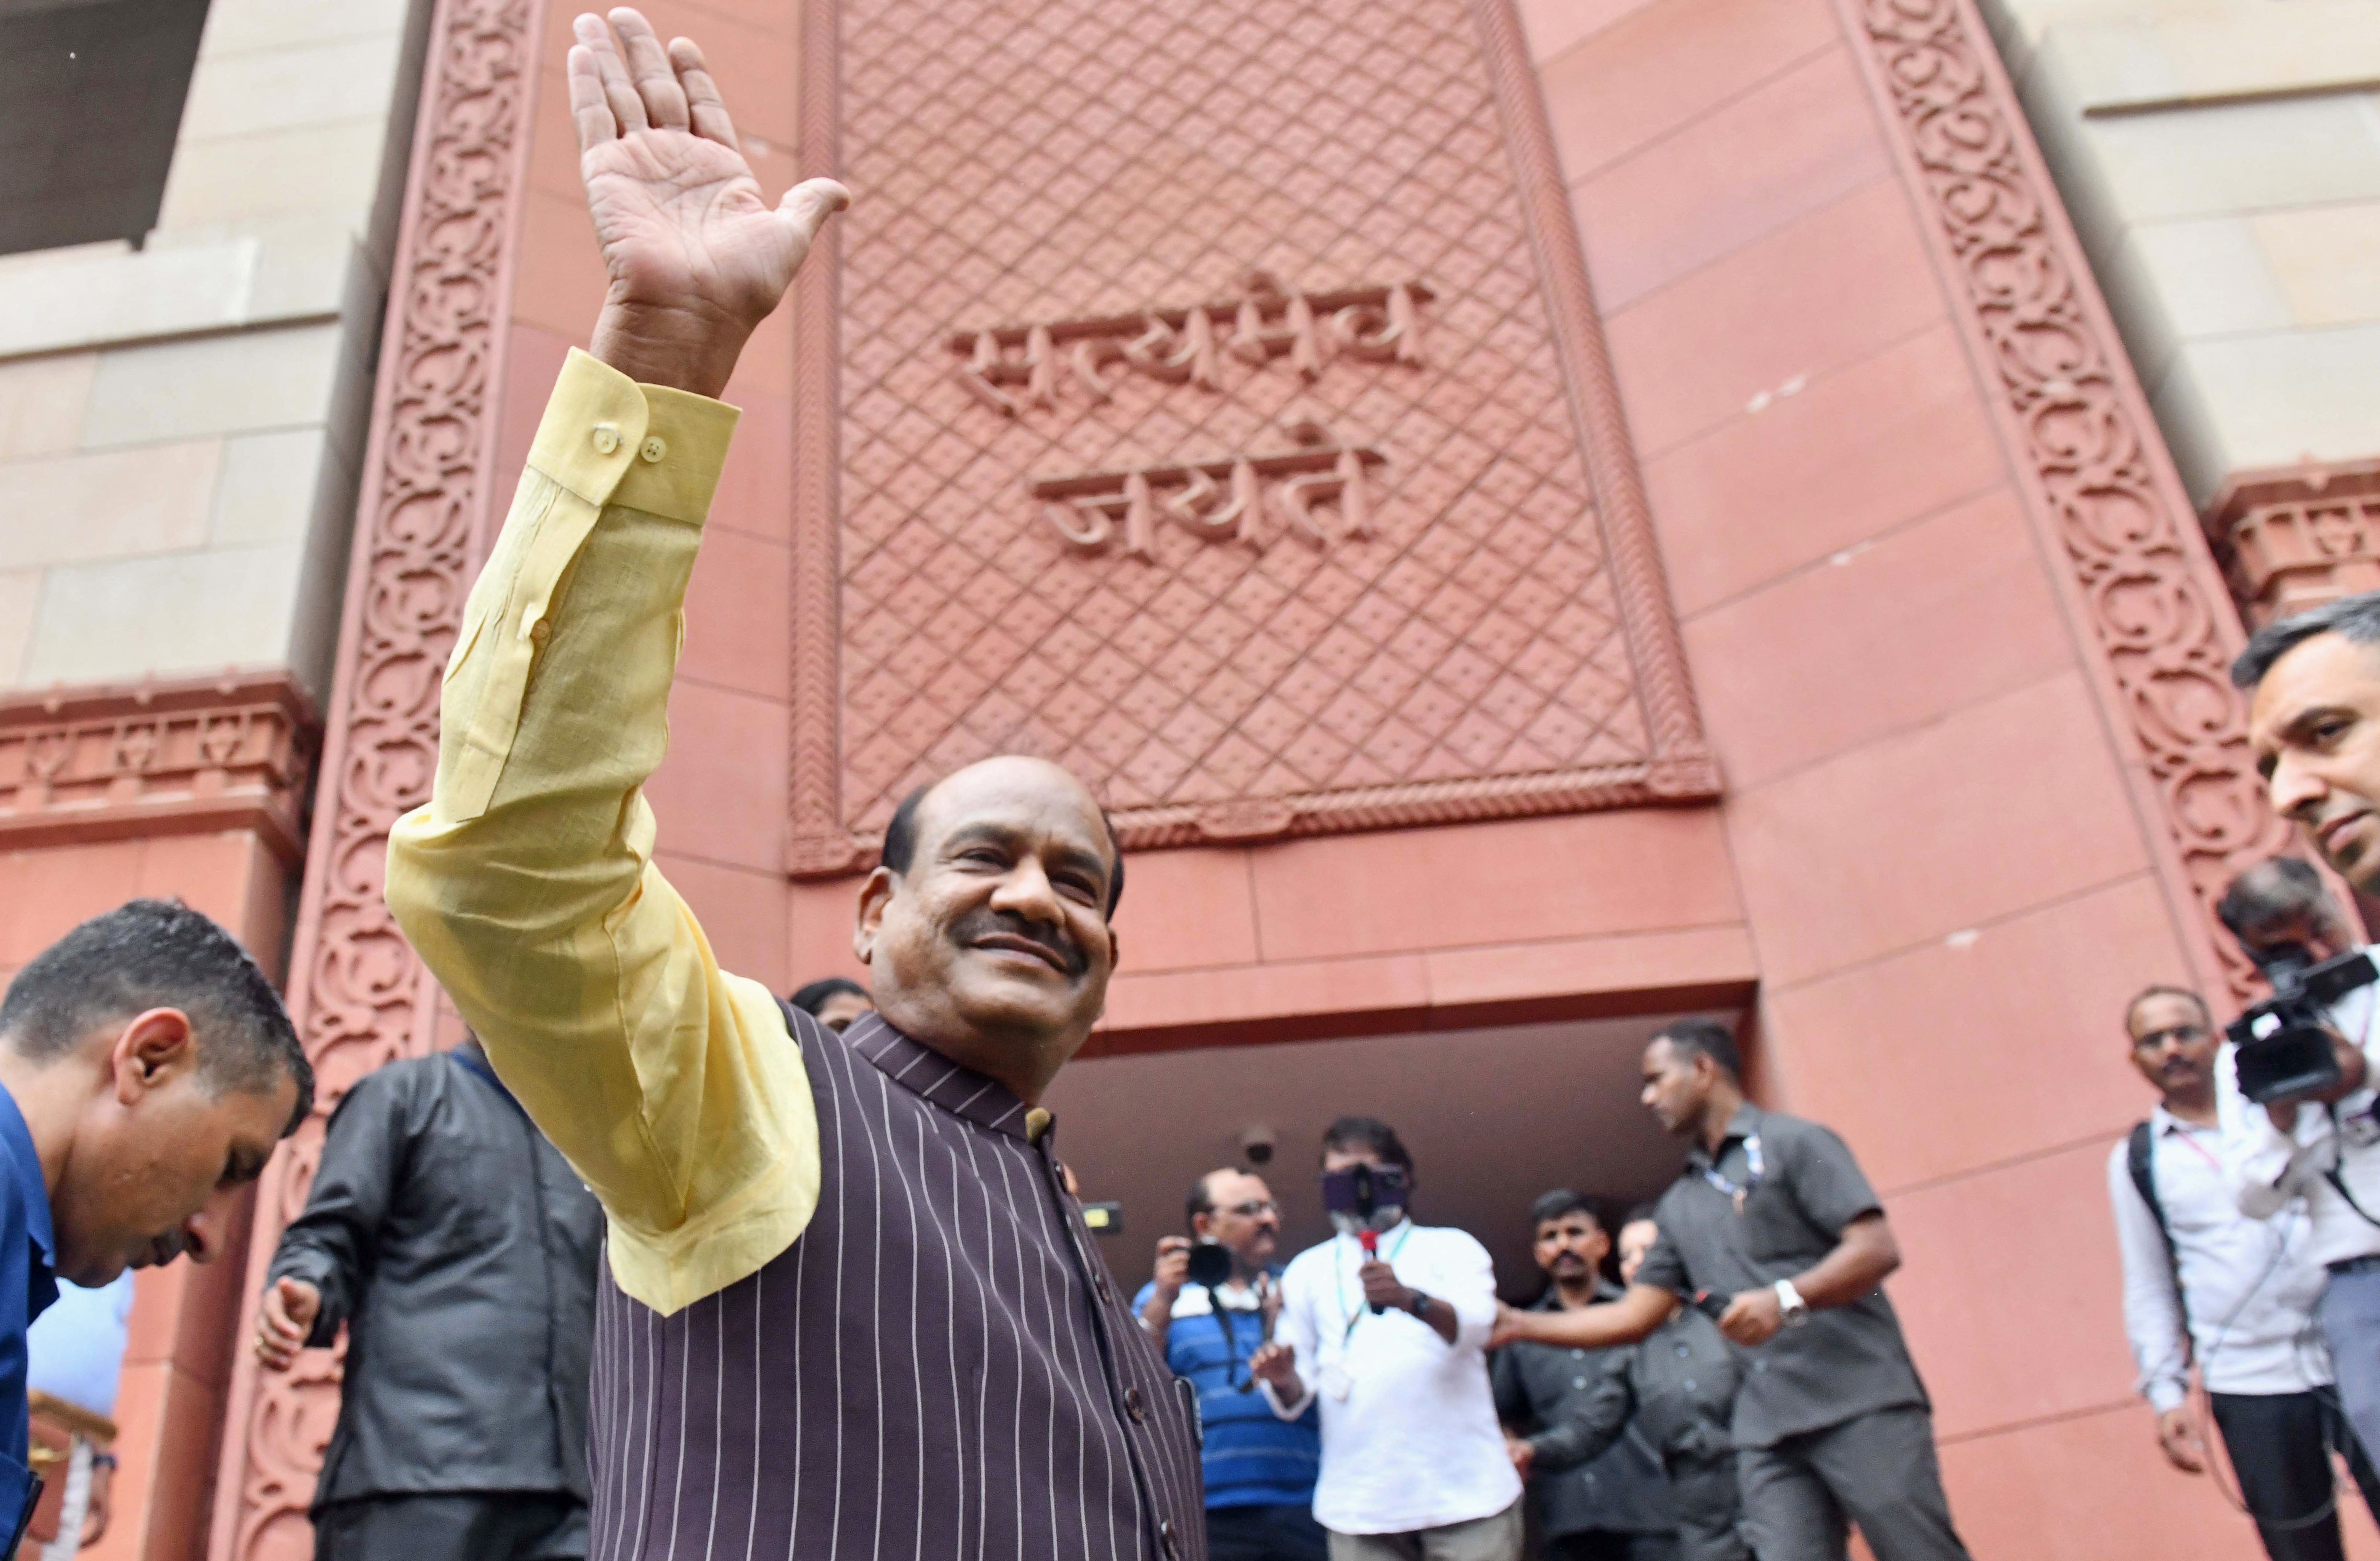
(526, 883)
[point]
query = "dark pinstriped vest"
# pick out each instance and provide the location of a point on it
(939, 1367)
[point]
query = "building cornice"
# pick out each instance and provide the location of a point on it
(164, 756)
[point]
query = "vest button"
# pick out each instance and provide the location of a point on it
(1134, 1404)
(1168, 1540)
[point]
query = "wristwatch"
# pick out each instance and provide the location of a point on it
(1794, 1310)
(1419, 1304)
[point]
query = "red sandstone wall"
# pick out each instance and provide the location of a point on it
(1949, 888)
(178, 1364)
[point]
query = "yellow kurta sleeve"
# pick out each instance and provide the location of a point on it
(528, 885)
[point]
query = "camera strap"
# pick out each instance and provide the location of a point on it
(2140, 1160)
(2337, 1159)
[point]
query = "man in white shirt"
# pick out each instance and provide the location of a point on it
(2325, 1153)
(1413, 1463)
(2202, 1280)
(2313, 727)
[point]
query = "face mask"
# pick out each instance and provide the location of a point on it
(1366, 1197)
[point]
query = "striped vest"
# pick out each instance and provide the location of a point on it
(939, 1367)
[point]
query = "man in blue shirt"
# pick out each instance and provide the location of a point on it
(147, 1068)
(1259, 1468)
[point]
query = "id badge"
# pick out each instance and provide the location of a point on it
(1337, 1381)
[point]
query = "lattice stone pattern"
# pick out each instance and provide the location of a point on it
(1041, 159)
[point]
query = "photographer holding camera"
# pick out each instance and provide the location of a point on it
(2314, 724)
(2205, 1285)
(1209, 1309)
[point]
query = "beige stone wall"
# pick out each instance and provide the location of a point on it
(180, 426)
(2222, 159)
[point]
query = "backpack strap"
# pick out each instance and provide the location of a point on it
(2139, 1160)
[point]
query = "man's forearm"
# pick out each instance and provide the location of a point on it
(1860, 1262)
(1633, 1317)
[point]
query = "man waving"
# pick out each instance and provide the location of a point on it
(849, 1304)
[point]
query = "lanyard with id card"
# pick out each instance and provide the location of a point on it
(1751, 1170)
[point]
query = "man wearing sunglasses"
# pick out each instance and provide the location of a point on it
(1259, 1468)
(2203, 1282)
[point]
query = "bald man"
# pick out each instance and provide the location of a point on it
(849, 1304)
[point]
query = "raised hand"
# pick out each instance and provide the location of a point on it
(697, 257)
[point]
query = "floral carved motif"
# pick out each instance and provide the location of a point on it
(1036, 508)
(359, 997)
(2083, 441)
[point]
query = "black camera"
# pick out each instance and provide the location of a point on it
(2284, 1044)
(1210, 1264)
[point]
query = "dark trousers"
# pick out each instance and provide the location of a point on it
(478, 1526)
(1876, 1469)
(1265, 1534)
(1710, 1513)
(2280, 1445)
(1611, 1544)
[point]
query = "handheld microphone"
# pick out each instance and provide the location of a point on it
(1371, 1239)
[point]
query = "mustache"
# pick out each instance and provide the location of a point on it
(985, 922)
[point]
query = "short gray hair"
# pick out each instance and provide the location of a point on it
(2272, 892)
(2354, 618)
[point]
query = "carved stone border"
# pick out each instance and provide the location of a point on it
(1682, 767)
(178, 756)
(2148, 601)
(359, 997)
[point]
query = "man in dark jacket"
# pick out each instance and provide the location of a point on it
(1597, 1498)
(459, 1249)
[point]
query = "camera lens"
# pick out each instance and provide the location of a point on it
(1210, 1264)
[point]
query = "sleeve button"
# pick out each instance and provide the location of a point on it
(653, 449)
(607, 439)
(540, 631)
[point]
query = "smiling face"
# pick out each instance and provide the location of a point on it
(2314, 725)
(159, 1155)
(2173, 1044)
(994, 948)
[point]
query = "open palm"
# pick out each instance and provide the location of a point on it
(693, 250)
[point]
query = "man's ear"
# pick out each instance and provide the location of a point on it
(875, 894)
(153, 1049)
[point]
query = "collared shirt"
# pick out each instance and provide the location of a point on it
(1251, 1456)
(849, 1306)
(28, 1287)
(1588, 1476)
(2250, 1286)
(526, 883)
(2269, 1168)
(1845, 1360)
(1410, 1438)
